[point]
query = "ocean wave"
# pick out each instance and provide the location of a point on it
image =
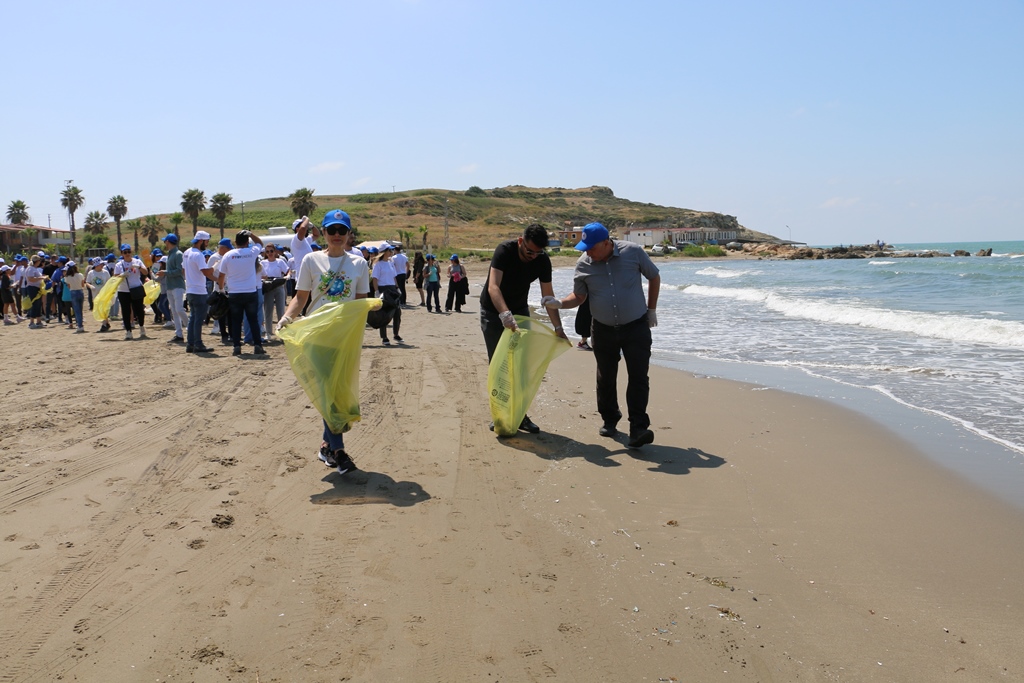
(957, 328)
(724, 273)
(882, 263)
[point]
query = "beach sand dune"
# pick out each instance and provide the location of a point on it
(165, 519)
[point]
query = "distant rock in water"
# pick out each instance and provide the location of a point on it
(984, 252)
(962, 252)
(789, 251)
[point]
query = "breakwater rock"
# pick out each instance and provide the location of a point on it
(793, 252)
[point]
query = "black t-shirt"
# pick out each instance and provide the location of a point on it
(516, 276)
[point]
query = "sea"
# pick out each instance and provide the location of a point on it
(931, 347)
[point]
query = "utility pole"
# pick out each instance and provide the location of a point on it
(243, 214)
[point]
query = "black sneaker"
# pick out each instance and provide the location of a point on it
(259, 351)
(344, 462)
(203, 349)
(399, 339)
(527, 425)
(237, 351)
(326, 456)
(385, 341)
(608, 430)
(641, 438)
(189, 349)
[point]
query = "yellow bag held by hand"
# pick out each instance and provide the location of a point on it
(102, 302)
(516, 370)
(324, 350)
(152, 288)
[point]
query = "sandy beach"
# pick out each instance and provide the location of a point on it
(164, 519)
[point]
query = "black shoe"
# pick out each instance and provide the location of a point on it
(203, 349)
(237, 351)
(641, 438)
(385, 341)
(344, 462)
(399, 339)
(608, 430)
(491, 427)
(527, 425)
(326, 456)
(189, 349)
(176, 340)
(259, 351)
(105, 327)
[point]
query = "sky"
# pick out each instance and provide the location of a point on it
(825, 122)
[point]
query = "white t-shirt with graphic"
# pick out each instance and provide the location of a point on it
(97, 278)
(332, 279)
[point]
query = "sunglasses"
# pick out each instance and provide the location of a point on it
(336, 230)
(127, 251)
(531, 252)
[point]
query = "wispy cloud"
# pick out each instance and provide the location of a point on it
(469, 168)
(361, 182)
(840, 202)
(326, 167)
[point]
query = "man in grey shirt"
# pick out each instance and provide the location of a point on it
(610, 275)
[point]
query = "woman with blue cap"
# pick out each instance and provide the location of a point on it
(458, 286)
(130, 293)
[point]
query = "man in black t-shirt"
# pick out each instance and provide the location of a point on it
(514, 267)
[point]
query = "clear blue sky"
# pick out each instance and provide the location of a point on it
(846, 121)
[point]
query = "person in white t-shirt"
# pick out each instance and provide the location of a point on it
(401, 263)
(302, 241)
(275, 272)
(383, 280)
(326, 276)
(238, 274)
(130, 292)
(197, 273)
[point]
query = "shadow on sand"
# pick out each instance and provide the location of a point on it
(666, 459)
(366, 488)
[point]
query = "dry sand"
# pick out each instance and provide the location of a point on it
(164, 519)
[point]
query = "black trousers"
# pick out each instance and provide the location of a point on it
(490, 325)
(131, 307)
(633, 342)
(400, 281)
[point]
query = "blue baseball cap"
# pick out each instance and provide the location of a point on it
(111, 257)
(172, 238)
(156, 252)
(373, 250)
(224, 242)
(593, 235)
(315, 246)
(453, 257)
(337, 217)
(126, 247)
(62, 259)
(207, 252)
(429, 256)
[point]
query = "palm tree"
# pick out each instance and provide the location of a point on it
(72, 199)
(152, 230)
(27, 235)
(96, 223)
(302, 201)
(117, 207)
(424, 231)
(220, 206)
(135, 225)
(176, 219)
(192, 203)
(17, 213)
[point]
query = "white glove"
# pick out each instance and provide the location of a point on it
(508, 320)
(550, 302)
(304, 218)
(652, 318)
(283, 322)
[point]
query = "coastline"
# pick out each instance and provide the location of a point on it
(764, 535)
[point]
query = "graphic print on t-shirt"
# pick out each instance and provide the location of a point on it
(335, 288)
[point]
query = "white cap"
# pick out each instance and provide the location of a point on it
(201, 235)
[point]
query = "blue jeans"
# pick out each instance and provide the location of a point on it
(77, 300)
(246, 304)
(247, 330)
(335, 442)
(197, 308)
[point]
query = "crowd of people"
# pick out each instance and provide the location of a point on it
(244, 285)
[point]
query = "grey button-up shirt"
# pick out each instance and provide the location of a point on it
(615, 288)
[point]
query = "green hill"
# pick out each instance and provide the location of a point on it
(477, 218)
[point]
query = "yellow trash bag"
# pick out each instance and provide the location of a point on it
(152, 288)
(324, 350)
(102, 302)
(517, 368)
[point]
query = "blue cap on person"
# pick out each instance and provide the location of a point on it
(453, 257)
(62, 259)
(156, 252)
(224, 243)
(172, 238)
(111, 257)
(126, 247)
(337, 217)
(593, 235)
(372, 250)
(315, 247)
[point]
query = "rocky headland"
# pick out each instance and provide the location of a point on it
(794, 252)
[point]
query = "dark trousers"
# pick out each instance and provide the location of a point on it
(197, 307)
(456, 295)
(400, 281)
(396, 322)
(130, 307)
(490, 325)
(36, 308)
(247, 304)
(433, 289)
(633, 341)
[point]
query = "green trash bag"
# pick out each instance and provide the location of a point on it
(324, 349)
(102, 302)
(517, 368)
